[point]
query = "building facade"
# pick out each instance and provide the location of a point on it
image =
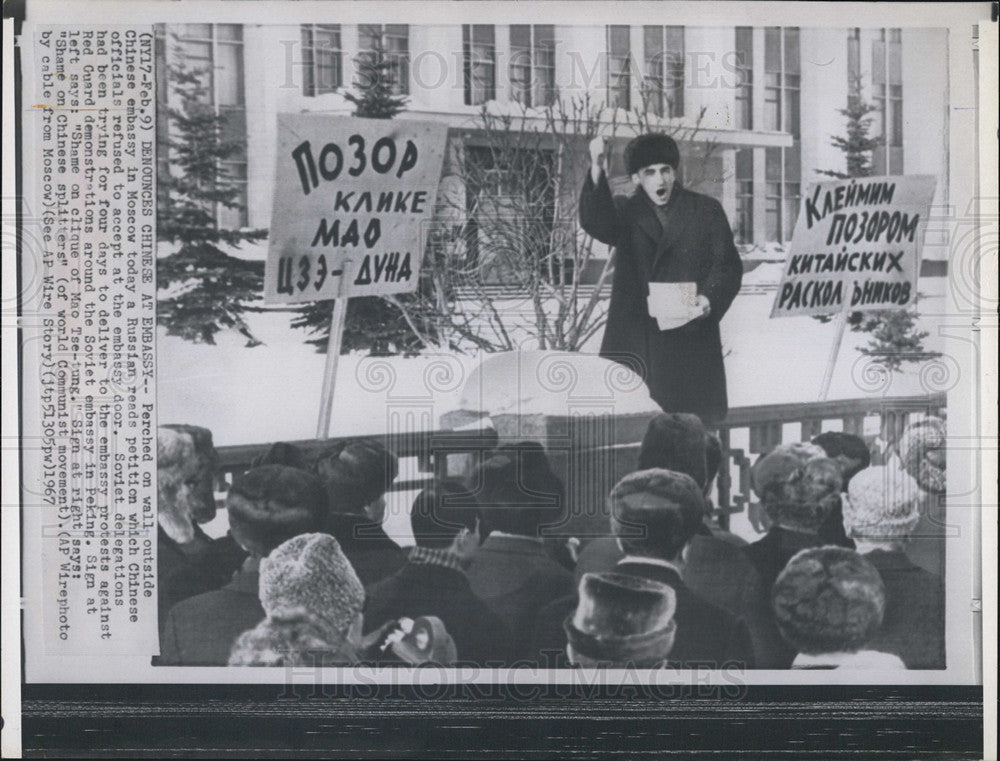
(767, 97)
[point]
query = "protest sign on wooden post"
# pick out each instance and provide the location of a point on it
(352, 207)
(856, 247)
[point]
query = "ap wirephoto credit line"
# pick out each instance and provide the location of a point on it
(407, 344)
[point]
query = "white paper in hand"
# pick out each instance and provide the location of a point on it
(672, 304)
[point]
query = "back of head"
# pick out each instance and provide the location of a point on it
(828, 600)
(186, 464)
(440, 512)
(283, 453)
(678, 442)
(923, 452)
(883, 504)
(309, 575)
(655, 512)
(355, 473)
(845, 448)
(273, 503)
(796, 495)
(621, 620)
(517, 491)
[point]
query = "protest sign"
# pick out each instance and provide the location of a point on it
(352, 201)
(856, 246)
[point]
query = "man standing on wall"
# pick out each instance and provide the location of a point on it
(664, 233)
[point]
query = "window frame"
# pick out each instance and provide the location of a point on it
(471, 64)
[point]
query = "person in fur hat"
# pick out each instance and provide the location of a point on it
(922, 452)
(444, 520)
(881, 511)
(189, 562)
(313, 601)
(655, 514)
(797, 498)
(621, 621)
(357, 475)
(852, 455)
(715, 568)
(267, 506)
(513, 571)
(664, 233)
(798, 489)
(828, 604)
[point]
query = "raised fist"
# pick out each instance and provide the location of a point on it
(598, 149)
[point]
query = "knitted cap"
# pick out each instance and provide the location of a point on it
(309, 573)
(828, 600)
(273, 503)
(356, 473)
(675, 441)
(882, 503)
(652, 148)
(622, 619)
(922, 450)
(656, 512)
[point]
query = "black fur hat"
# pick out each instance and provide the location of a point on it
(652, 148)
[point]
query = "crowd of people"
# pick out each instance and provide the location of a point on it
(306, 574)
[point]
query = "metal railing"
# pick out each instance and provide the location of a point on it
(764, 425)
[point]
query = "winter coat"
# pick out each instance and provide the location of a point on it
(421, 589)
(201, 630)
(913, 623)
(683, 367)
(372, 553)
(517, 577)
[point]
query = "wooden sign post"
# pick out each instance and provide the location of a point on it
(353, 204)
(856, 247)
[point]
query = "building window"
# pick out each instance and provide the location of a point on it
(479, 61)
(619, 78)
(322, 63)
(791, 190)
(782, 79)
(501, 234)
(394, 40)
(663, 86)
(887, 96)
(783, 178)
(744, 195)
(782, 166)
(772, 78)
(532, 64)
(792, 81)
(853, 67)
(214, 54)
(772, 206)
(744, 84)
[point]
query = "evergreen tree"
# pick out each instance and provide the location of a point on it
(894, 337)
(373, 323)
(202, 288)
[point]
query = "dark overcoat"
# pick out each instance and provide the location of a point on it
(683, 368)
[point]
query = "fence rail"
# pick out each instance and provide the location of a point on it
(765, 426)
